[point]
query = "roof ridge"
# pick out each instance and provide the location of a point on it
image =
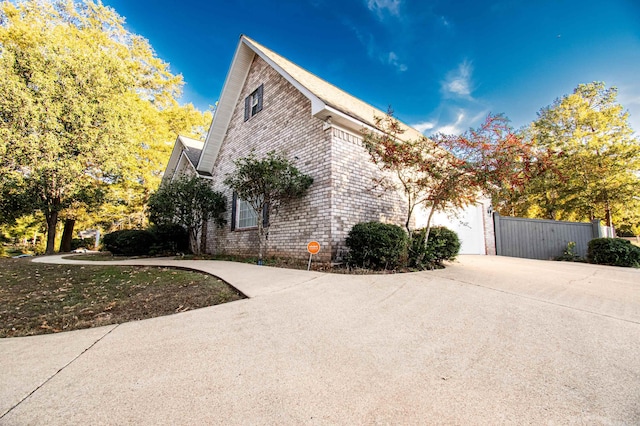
(341, 100)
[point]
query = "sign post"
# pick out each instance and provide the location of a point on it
(313, 248)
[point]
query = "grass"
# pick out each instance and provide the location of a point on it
(38, 298)
(102, 256)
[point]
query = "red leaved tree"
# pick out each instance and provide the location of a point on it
(447, 172)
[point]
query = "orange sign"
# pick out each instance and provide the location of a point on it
(313, 247)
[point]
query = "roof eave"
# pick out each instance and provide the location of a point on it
(228, 99)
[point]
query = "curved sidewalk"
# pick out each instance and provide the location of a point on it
(252, 280)
(488, 340)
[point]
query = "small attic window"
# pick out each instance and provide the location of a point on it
(253, 103)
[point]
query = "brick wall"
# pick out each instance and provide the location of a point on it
(286, 125)
(343, 193)
(356, 197)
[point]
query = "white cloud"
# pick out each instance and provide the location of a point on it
(393, 60)
(380, 6)
(423, 126)
(458, 82)
(453, 128)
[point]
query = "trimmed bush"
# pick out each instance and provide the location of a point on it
(376, 245)
(443, 244)
(613, 251)
(129, 242)
(170, 239)
(88, 243)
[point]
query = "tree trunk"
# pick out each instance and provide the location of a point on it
(67, 235)
(193, 240)
(607, 216)
(261, 243)
(203, 237)
(52, 222)
(428, 227)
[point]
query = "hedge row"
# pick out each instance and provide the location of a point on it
(140, 242)
(375, 245)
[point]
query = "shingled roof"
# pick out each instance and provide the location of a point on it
(326, 99)
(191, 149)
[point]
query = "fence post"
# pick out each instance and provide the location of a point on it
(597, 230)
(496, 230)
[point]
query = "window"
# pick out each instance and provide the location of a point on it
(253, 103)
(247, 216)
(243, 216)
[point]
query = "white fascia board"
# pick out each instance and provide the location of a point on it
(344, 120)
(186, 157)
(174, 159)
(229, 97)
(317, 104)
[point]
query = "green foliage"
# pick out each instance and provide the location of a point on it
(86, 113)
(613, 251)
(129, 242)
(569, 254)
(171, 239)
(443, 244)
(267, 184)
(189, 202)
(88, 243)
(377, 245)
(447, 171)
(594, 162)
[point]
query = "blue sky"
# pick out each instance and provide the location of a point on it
(442, 65)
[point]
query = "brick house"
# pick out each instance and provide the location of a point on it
(269, 103)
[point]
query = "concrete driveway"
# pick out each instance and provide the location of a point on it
(489, 340)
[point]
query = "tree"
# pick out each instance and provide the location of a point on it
(596, 157)
(81, 97)
(266, 185)
(189, 202)
(446, 172)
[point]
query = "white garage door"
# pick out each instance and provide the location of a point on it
(467, 223)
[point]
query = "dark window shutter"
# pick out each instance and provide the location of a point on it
(247, 108)
(260, 92)
(234, 203)
(265, 215)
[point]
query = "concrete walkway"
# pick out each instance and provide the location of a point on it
(489, 340)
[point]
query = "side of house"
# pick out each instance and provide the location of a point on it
(269, 103)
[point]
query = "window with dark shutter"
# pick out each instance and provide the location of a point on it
(253, 103)
(243, 216)
(234, 202)
(265, 215)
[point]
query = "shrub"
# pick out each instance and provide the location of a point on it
(613, 251)
(88, 243)
(170, 238)
(443, 244)
(129, 242)
(377, 245)
(569, 254)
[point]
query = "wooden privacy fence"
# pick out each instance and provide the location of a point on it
(544, 239)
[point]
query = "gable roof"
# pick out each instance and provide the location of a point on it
(192, 149)
(326, 99)
(186, 147)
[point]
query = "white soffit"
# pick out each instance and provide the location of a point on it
(228, 99)
(326, 99)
